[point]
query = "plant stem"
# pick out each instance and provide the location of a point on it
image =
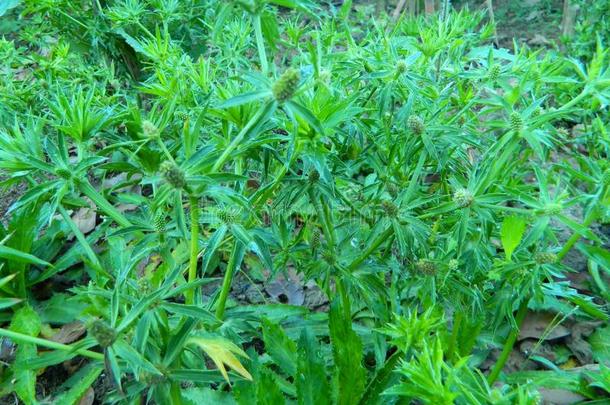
(192, 275)
(510, 342)
(19, 337)
(260, 43)
(87, 189)
(589, 218)
(226, 283)
(373, 246)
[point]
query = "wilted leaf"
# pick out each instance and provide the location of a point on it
(222, 352)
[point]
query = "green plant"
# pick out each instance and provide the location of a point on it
(423, 186)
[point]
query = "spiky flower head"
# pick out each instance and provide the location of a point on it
(553, 209)
(537, 112)
(159, 221)
(516, 122)
(416, 124)
(285, 87)
(173, 175)
(149, 129)
(545, 258)
(315, 238)
(227, 215)
(102, 333)
(425, 267)
(562, 133)
(463, 198)
(314, 176)
(453, 264)
(494, 72)
(330, 257)
(390, 209)
(401, 67)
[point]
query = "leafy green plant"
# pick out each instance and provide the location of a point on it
(423, 187)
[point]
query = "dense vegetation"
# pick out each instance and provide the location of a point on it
(287, 201)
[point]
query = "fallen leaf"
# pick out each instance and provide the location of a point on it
(84, 219)
(536, 324)
(88, 398)
(69, 333)
(287, 289)
(555, 396)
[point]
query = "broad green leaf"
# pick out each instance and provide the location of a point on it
(206, 396)
(600, 345)
(282, 350)
(311, 379)
(349, 376)
(267, 389)
(25, 321)
(513, 228)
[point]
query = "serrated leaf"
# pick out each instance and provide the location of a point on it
(600, 344)
(282, 350)
(267, 390)
(347, 354)
(311, 379)
(27, 322)
(513, 228)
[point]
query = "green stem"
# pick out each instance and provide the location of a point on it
(194, 253)
(509, 344)
(457, 322)
(260, 43)
(79, 236)
(575, 100)
(372, 247)
(591, 216)
(226, 283)
(100, 202)
(19, 337)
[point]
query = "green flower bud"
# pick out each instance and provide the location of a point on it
(453, 264)
(553, 209)
(329, 257)
(537, 112)
(102, 333)
(314, 176)
(392, 189)
(425, 267)
(390, 209)
(173, 175)
(416, 124)
(463, 198)
(285, 87)
(545, 258)
(227, 215)
(516, 122)
(494, 72)
(159, 222)
(315, 238)
(149, 129)
(401, 67)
